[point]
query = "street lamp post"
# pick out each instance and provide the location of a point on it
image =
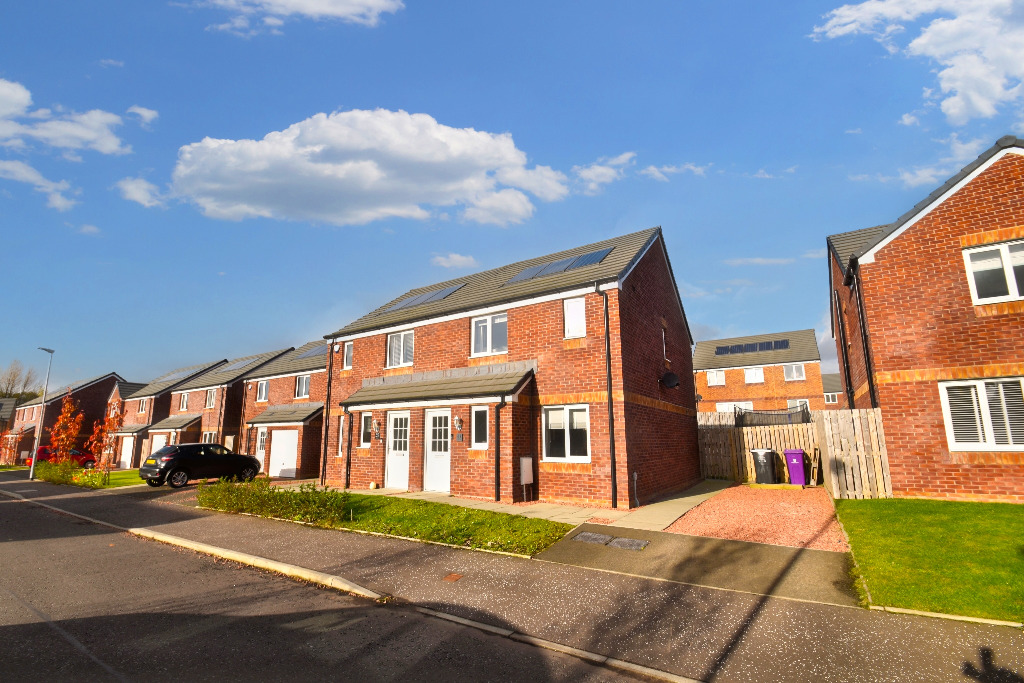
(42, 416)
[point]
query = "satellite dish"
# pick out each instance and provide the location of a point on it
(670, 380)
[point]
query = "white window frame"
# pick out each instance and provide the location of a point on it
(412, 335)
(473, 353)
(565, 416)
(183, 402)
(262, 390)
(716, 378)
(341, 436)
(363, 417)
(142, 406)
(831, 398)
(574, 313)
(261, 447)
(664, 346)
(302, 383)
(209, 437)
(786, 368)
(797, 402)
(730, 406)
(211, 398)
(473, 445)
(1011, 280)
(757, 373)
(347, 351)
(988, 445)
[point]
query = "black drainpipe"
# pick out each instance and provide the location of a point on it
(842, 343)
(327, 415)
(611, 405)
(348, 447)
(497, 448)
(868, 365)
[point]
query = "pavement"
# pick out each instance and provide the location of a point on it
(704, 632)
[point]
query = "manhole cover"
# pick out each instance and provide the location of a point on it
(591, 537)
(628, 543)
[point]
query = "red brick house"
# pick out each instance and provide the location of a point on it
(928, 318)
(571, 371)
(90, 396)
(773, 371)
(832, 386)
(208, 407)
(145, 407)
(283, 412)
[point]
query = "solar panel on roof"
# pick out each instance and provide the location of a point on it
(441, 293)
(320, 350)
(749, 348)
(527, 274)
(177, 375)
(425, 297)
(736, 348)
(590, 259)
(236, 365)
(764, 346)
(560, 266)
(555, 267)
(721, 350)
(781, 344)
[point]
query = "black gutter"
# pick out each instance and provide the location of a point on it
(842, 344)
(865, 341)
(327, 415)
(497, 448)
(611, 406)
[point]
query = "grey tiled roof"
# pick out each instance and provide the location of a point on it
(803, 346)
(831, 383)
(292, 362)
(230, 371)
(7, 406)
(132, 429)
(73, 387)
(173, 379)
(126, 389)
(490, 384)
(858, 242)
(294, 412)
(491, 286)
(175, 422)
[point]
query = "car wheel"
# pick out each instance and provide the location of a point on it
(248, 473)
(89, 464)
(154, 482)
(177, 478)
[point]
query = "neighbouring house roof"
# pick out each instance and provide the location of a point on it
(229, 372)
(126, 389)
(802, 347)
(493, 287)
(831, 383)
(7, 407)
(176, 423)
(294, 412)
(58, 394)
(469, 386)
(132, 429)
(310, 356)
(856, 243)
(173, 379)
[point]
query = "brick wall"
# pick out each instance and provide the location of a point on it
(847, 313)
(772, 394)
(91, 402)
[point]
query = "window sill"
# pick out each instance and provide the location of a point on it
(487, 355)
(567, 461)
(985, 310)
(985, 448)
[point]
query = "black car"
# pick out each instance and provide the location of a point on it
(183, 461)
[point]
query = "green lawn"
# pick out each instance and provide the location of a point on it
(13, 467)
(124, 478)
(388, 515)
(940, 556)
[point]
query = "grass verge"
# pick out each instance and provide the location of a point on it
(383, 514)
(940, 556)
(13, 467)
(69, 473)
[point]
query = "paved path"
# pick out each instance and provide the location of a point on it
(700, 632)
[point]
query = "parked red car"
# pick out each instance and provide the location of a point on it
(84, 459)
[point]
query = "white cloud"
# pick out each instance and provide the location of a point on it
(602, 172)
(21, 172)
(853, 131)
(141, 191)
(908, 120)
(959, 154)
(757, 261)
(763, 174)
(826, 344)
(978, 46)
(250, 17)
(145, 115)
(661, 173)
(814, 253)
(354, 167)
(111, 62)
(89, 230)
(453, 260)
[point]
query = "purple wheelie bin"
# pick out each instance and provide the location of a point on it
(795, 465)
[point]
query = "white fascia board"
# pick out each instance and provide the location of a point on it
(254, 380)
(188, 391)
(869, 256)
(568, 294)
(636, 262)
(424, 404)
(766, 365)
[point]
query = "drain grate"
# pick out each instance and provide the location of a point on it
(610, 541)
(628, 543)
(590, 537)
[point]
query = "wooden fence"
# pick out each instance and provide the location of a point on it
(846, 449)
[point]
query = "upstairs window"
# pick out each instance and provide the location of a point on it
(211, 398)
(347, 357)
(183, 402)
(261, 390)
(753, 375)
(142, 405)
(793, 372)
(575, 312)
(302, 386)
(716, 378)
(490, 334)
(400, 349)
(831, 398)
(995, 272)
(984, 415)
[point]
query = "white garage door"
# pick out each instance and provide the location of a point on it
(159, 441)
(284, 452)
(127, 450)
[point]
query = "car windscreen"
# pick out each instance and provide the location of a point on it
(167, 450)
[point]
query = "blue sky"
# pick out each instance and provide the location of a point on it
(187, 181)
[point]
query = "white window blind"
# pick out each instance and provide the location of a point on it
(984, 414)
(753, 375)
(716, 378)
(793, 372)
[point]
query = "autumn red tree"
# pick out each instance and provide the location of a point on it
(101, 442)
(7, 448)
(64, 432)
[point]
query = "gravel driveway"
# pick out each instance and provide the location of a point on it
(801, 518)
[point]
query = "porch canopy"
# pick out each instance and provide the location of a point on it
(176, 423)
(131, 429)
(479, 387)
(294, 413)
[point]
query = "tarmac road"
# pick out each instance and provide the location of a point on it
(79, 602)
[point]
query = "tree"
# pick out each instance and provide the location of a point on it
(101, 443)
(17, 382)
(64, 432)
(8, 448)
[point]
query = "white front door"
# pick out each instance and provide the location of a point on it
(159, 441)
(284, 452)
(437, 468)
(396, 466)
(127, 451)
(261, 444)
